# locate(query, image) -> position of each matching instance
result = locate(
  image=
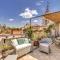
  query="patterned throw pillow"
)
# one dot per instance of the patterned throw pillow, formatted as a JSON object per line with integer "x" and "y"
{"x": 23, "y": 41}
{"x": 20, "y": 41}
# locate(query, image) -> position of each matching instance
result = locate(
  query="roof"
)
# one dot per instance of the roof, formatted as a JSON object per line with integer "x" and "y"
{"x": 55, "y": 16}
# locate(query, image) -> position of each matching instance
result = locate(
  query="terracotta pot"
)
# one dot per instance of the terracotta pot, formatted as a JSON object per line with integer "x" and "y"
{"x": 36, "y": 43}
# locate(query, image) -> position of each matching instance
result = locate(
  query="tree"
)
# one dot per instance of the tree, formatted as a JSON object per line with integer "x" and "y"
{"x": 29, "y": 32}
{"x": 48, "y": 30}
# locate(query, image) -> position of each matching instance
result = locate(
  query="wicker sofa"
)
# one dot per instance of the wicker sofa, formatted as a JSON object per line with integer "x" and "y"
{"x": 23, "y": 48}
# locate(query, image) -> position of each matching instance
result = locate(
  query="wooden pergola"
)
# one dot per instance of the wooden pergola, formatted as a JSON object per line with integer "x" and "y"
{"x": 55, "y": 16}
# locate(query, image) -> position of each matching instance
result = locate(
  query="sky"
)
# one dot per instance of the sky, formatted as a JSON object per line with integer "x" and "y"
{"x": 16, "y": 13}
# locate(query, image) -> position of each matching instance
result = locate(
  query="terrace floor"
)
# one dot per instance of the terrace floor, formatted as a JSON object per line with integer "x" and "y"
{"x": 37, "y": 55}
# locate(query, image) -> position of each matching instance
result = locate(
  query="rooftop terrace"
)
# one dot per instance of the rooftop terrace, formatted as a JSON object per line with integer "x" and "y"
{"x": 37, "y": 55}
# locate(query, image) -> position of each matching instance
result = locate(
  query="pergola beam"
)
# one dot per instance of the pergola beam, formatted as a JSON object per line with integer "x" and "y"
{"x": 55, "y": 16}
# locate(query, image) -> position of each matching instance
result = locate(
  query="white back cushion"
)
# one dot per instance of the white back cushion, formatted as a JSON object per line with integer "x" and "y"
{"x": 49, "y": 40}
{"x": 14, "y": 42}
{"x": 26, "y": 40}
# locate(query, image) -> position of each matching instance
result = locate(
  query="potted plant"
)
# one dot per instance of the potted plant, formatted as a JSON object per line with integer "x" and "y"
{"x": 35, "y": 40}
{"x": 32, "y": 36}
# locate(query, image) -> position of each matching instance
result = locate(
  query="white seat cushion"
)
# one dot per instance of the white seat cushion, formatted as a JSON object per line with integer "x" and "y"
{"x": 22, "y": 46}
{"x": 44, "y": 44}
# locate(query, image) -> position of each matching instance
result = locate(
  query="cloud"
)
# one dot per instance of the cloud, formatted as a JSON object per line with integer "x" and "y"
{"x": 28, "y": 13}
{"x": 11, "y": 19}
{"x": 35, "y": 21}
{"x": 39, "y": 3}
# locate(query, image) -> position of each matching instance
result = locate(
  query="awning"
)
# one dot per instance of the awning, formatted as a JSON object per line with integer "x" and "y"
{"x": 55, "y": 16}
